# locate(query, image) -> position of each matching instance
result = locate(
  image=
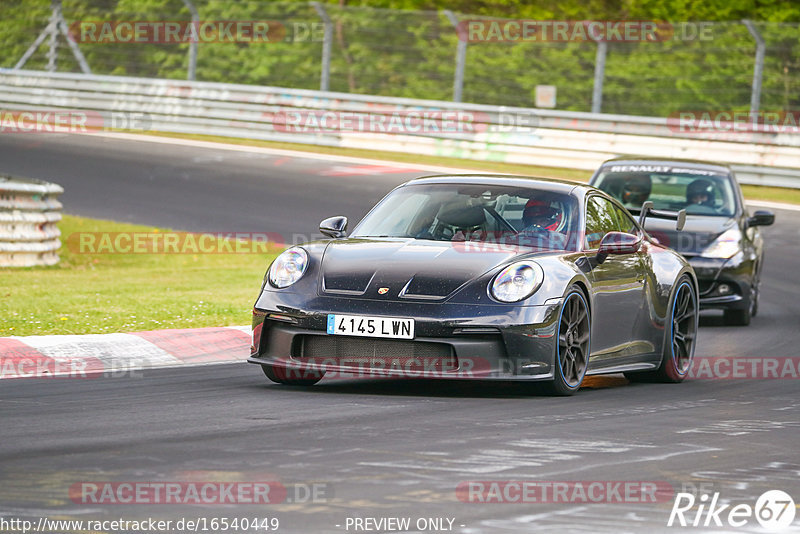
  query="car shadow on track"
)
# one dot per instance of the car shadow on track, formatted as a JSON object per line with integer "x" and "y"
{"x": 445, "y": 388}
{"x": 711, "y": 319}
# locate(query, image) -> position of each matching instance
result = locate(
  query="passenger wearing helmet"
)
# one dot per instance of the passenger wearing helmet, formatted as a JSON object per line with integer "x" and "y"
{"x": 636, "y": 191}
{"x": 700, "y": 192}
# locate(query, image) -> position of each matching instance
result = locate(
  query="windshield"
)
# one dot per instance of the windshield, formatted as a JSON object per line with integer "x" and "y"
{"x": 458, "y": 212}
{"x": 673, "y": 188}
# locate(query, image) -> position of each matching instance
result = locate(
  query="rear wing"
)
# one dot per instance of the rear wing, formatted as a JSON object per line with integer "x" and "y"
{"x": 647, "y": 210}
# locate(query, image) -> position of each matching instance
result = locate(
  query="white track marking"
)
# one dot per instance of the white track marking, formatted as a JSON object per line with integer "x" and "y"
{"x": 282, "y": 152}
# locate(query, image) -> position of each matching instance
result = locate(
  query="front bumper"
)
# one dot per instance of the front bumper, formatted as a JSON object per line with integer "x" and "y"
{"x": 724, "y": 283}
{"x": 456, "y": 341}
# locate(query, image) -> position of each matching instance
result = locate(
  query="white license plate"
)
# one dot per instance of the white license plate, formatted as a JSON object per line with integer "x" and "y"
{"x": 359, "y": 325}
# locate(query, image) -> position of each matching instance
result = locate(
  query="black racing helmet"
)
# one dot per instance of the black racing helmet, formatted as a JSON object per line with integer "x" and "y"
{"x": 699, "y": 188}
{"x": 636, "y": 189}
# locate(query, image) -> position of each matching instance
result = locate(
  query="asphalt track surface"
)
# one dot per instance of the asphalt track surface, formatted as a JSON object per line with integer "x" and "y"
{"x": 380, "y": 448}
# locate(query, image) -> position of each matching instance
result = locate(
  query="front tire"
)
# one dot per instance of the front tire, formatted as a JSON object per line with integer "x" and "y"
{"x": 742, "y": 317}
{"x": 573, "y": 344}
{"x": 280, "y": 375}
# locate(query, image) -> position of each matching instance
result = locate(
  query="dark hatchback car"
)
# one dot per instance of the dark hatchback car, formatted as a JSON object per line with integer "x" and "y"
{"x": 721, "y": 238}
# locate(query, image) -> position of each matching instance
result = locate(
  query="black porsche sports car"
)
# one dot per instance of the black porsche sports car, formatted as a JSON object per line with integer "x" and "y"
{"x": 721, "y": 239}
{"x": 486, "y": 277}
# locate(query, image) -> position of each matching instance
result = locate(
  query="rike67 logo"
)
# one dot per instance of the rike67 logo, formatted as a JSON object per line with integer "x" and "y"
{"x": 774, "y": 510}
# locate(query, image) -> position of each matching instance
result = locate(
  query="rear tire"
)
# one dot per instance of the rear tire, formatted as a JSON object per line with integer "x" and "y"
{"x": 679, "y": 337}
{"x": 683, "y": 318}
{"x": 573, "y": 344}
{"x": 281, "y": 375}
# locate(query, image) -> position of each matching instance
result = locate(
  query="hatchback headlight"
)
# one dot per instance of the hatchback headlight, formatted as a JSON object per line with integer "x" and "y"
{"x": 725, "y": 246}
{"x": 288, "y": 268}
{"x": 518, "y": 281}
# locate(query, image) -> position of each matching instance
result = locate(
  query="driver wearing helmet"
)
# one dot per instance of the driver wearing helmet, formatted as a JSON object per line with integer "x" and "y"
{"x": 541, "y": 222}
{"x": 636, "y": 190}
{"x": 700, "y": 192}
{"x": 539, "y": 214}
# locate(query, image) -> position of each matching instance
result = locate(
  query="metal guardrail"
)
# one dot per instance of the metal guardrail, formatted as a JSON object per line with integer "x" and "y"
{"x": 29, "y": 215}
{"x": 574, "y": 140}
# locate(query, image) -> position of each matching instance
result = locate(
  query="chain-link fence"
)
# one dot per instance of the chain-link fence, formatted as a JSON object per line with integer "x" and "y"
{"x": 421, "y": 54}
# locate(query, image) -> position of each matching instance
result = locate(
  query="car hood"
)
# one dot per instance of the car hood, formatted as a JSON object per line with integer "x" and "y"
{"x": 407, "y": 268}
{"x": 698, "y": 233}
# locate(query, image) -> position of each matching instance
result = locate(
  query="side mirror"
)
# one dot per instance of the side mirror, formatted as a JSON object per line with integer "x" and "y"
{"x": 334, "y": 227}
{"x": 761, "y": 218}
{"x": 618, "y": 243}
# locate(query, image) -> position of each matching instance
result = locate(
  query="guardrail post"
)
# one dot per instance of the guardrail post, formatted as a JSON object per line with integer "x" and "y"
{"x": 193, "y": 44}
{"x": 599, "y": 75}
{"x": 327, "y": 43}
{"x": 758, "y": 70}
{"x": 461, "y": 57}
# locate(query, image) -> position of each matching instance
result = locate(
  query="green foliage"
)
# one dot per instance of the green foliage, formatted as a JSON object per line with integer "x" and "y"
{"x": 407, "y": 48}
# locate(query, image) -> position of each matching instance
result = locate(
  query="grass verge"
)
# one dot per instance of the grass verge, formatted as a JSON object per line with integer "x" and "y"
{"x": 754, "y": 192}
{"x": 102, "y": 293}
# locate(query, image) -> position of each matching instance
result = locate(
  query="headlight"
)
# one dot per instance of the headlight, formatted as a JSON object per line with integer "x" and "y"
{"x": 724, "y": 246}
{"x": 517, "y": 281}
{"x": 288, "y": 267}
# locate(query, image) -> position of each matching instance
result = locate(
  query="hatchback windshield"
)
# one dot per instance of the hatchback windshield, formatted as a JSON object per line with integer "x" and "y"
{"x": 459, "y": 212}
{"x": 700, "y": 192}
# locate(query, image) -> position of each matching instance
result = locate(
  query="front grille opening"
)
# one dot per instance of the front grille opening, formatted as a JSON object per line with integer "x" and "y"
{"x": 376, "y": 353}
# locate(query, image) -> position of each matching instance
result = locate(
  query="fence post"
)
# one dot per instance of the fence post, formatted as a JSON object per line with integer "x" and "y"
{"x": 55, "y": 24}
{"x": 35, "y": 46}
{"x": 76, "y": 52}
{"x": 599, "y": 74}
{"x": 193, "y": 44}
{"x": 758, "y": 70}
{"x": 52, "y": 52}
{"x": 327, "y": 43}
{"x": 461, "y": 57}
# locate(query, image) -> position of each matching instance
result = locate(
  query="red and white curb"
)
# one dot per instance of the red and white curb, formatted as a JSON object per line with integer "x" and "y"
{"x": 89, "y": 355}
